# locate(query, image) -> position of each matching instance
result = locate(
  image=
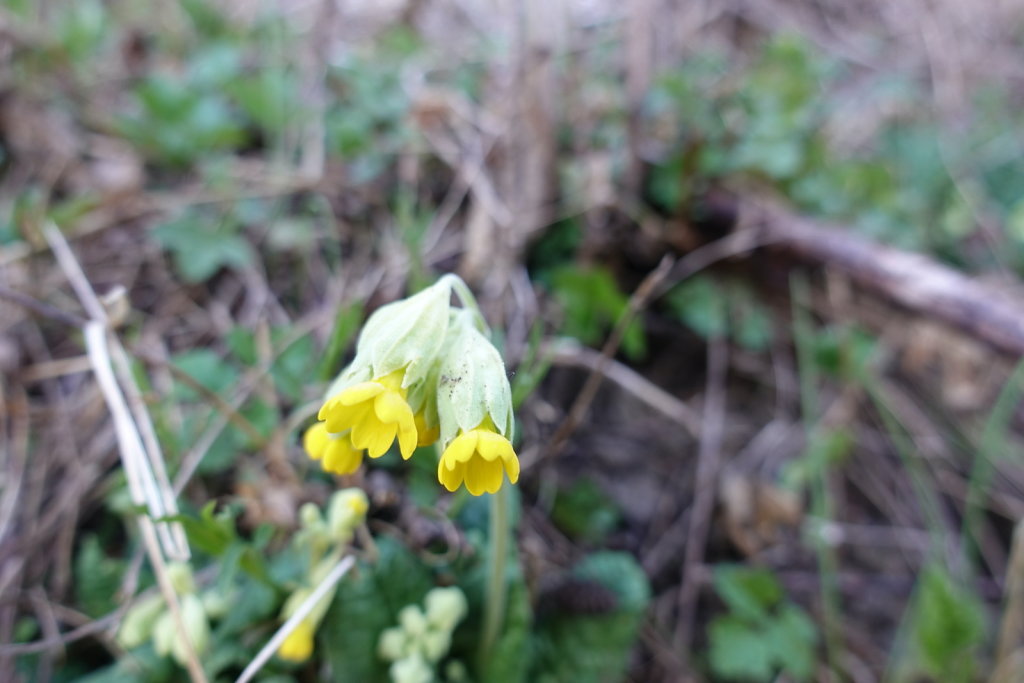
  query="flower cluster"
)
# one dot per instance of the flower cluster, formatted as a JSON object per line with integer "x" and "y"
{"x": 423, "y": 637}
{"x": 424, "y": 372}
{"x": 325, "y": 539}
{"x": 151, "y": 618}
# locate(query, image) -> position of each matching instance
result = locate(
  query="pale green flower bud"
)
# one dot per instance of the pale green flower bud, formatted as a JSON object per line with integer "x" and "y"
{"x": 168, "y": 641}
{"x": 394, "y": 644}
{"x": 472, "y": 387}
{"x": 139, "y": 621}
{"x": 346, "y": 511}
{"x": 197, "y": 626}
{"x": 412, "y": 669}
{"x": 163, "y": 634}
{"x": 180, "y": 576}
{"x": 403, "y": 334}
{"x": 309, "y": 516}
{"x": 455, "y": 672}
{"x": 216, "y": 602}
{"x": 446, "y": 607}
{"x": 412, "y": 620}
{"x": 434, "y": 644}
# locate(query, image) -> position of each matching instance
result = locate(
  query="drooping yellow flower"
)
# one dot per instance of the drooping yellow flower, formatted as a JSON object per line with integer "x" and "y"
{"x": 335, "y": 452}
{"x": 298, "y": 646}
{"x": 374, "y": 414}
{"x": 479, "y": 458}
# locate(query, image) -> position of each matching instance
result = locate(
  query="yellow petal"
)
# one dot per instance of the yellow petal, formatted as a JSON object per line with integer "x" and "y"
{"x": 375, "y": 437}
{"x": 461, "y": 449}
{"x": 451, "y": 475}
{"x": 425, "y": 435}
{"x": 341, "y": 457}
{"x": 298, "y": 646}
{"x": 492, "y": 446}
{"x": 407, "y": 438}
{"x": 358, "y": 393}
{"x": 315, "y": 440}
{"x": 476, "y": 476}
{"x": 329, "y": 406}
{"x": 512, "y": 467}
{"x": 391, "y": 407}
{"x": 343, "y": 418}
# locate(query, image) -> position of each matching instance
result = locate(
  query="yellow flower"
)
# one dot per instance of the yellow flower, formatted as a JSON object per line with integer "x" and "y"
{"x": 335, "y": 453}
{"x": 376, "y": 412}
{"x": 479, "y": 458}
{"x": 426, "y": 435}
{"x": 298, "y": 646}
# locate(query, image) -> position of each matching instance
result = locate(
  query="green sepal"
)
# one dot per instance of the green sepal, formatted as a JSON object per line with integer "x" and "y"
{"x": 472, "y": 385}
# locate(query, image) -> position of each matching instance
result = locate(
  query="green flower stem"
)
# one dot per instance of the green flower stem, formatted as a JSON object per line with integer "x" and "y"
{"x": 468, "y": 301}
{"x": 497, "y": 587}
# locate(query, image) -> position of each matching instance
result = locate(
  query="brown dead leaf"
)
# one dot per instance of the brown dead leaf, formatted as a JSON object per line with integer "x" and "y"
{"x": 756, "y": 512}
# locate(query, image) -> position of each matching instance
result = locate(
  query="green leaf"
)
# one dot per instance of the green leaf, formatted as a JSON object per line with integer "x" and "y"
{"x": 594, "y": 648}
{"x": 366, "y": 604}
{"x": 592, "y": 303}
{"x": 948, "y": 626}
{"x": 207, "y": 368}
{"x": 209, "y": 532}
{"x": 739, "y": 651}
{"x": 199, "y": 252}
{"x": 206, "y": 17}
{"x": 749, "y": 593}
{"x": 294, "y": 366}
{"x": 268, "y": 98}
{"x": 97, "y": 578}
{"x": 793, "y": 639}
{"x": 585, "y": 512}
{"x": 701, "y": 305}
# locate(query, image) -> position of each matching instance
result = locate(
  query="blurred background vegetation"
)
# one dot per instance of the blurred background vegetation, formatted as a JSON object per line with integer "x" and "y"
{"x": 788, "y": 236}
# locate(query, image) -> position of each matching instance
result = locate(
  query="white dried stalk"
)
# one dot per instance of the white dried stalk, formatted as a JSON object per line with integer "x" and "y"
{"x": 140, "y": 449}
{"x": 268, "y": 650}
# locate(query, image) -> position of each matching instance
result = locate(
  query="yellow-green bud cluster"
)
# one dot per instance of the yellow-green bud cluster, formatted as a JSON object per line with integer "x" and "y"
{"x": 152, "y": 619}
{"x": 423, "y": 636}
{"x": 424, "y": 369}
{"x": 325, "y": 538}
{"x": 345, "y": 512}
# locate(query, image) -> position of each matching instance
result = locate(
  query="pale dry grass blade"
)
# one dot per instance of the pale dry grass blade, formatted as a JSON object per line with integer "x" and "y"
{"x": 268, "y": 650}
{"x": 135, "y": 428}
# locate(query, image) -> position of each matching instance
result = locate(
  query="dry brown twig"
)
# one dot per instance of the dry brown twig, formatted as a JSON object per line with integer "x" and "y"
{"x": 704, "y": 493}
{"x": 667, "y": 275}
{"x": 574, "y": 355}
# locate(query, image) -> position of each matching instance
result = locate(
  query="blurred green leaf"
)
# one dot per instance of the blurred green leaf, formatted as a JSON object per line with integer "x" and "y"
{"x": 97, "y": 577}
{"x": 269, "y": 98}
{"x": 592, "y": 303}
{"x": 948, "y": 626}
{"x": 749, "y": 593}
{"x": 762, "y": 634}
{"x": 700, "y": 305}
{"x": 594, "y": 648}
{"x": 739, "y": 651}
{"x": 207, "y": 368}
{"x": 585, "y": 512}
{"x": 210, "y": 532}
{"x": 82, "y": 27}
{"x": 199, "y": 251}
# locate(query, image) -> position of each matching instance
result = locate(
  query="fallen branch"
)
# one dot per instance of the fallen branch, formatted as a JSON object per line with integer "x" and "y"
{"x": 911, "y": 281}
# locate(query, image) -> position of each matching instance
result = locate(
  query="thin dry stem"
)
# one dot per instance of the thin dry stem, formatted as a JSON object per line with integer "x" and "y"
{"x": 268, "y": 650}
